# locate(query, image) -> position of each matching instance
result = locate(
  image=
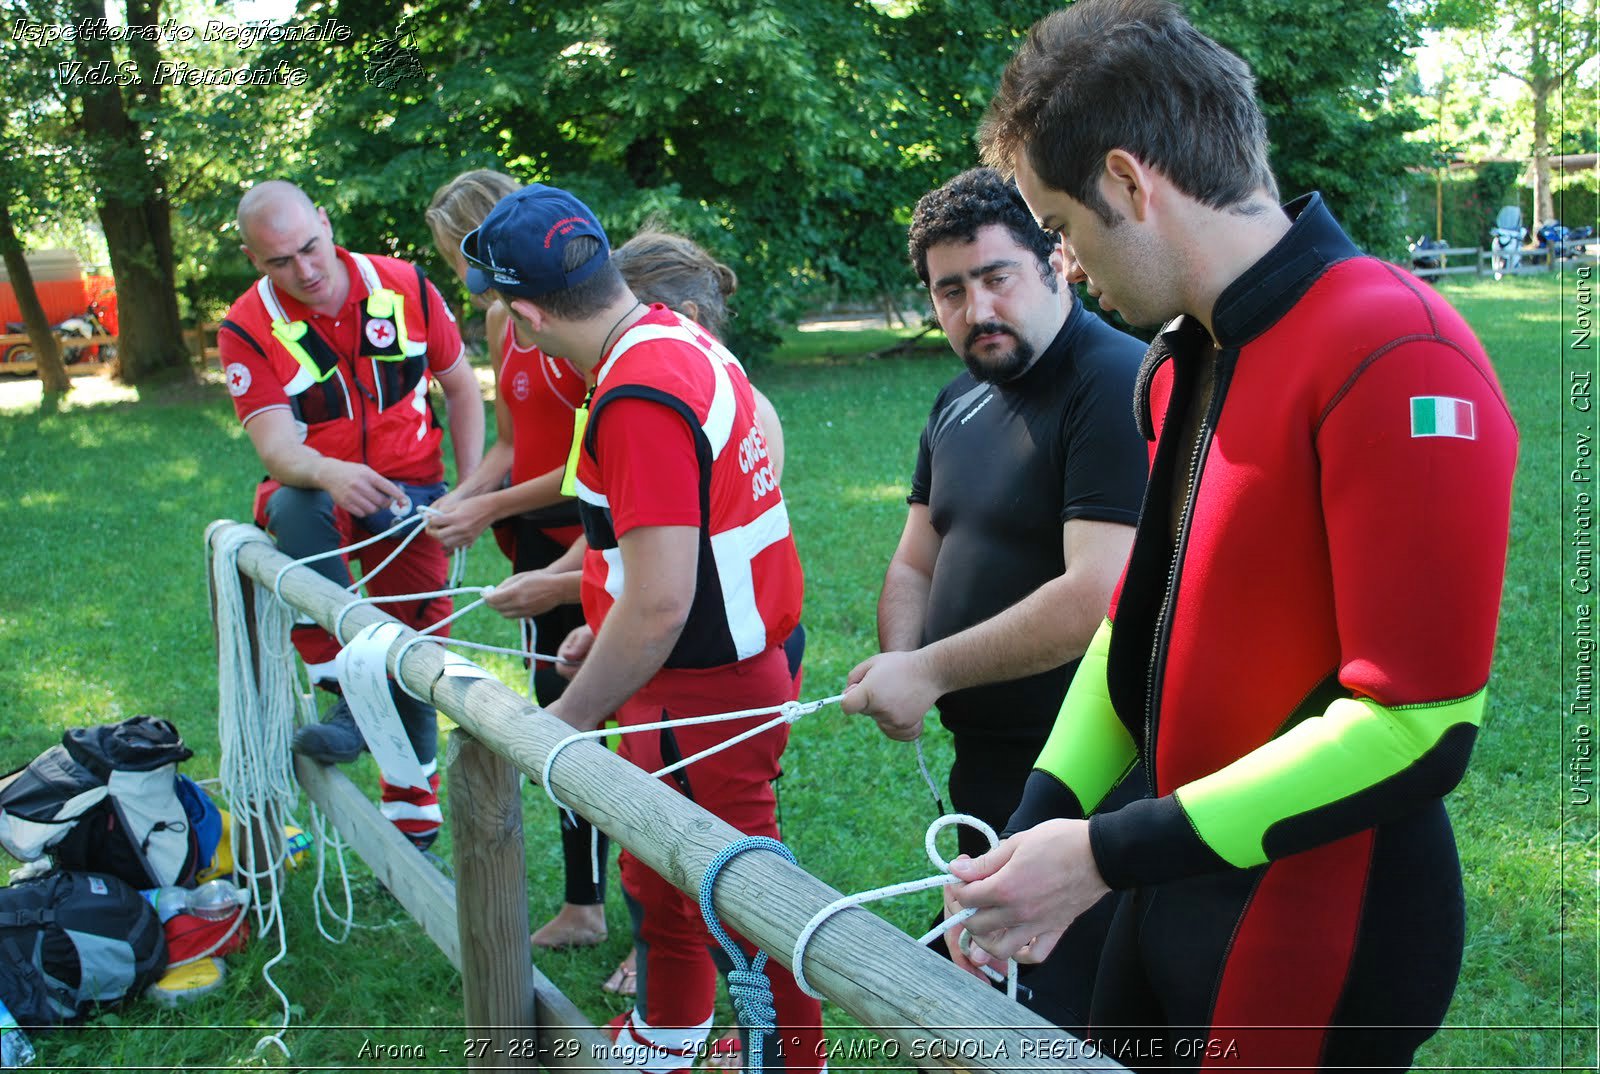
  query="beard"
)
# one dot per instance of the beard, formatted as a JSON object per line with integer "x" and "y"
{"x": 1000, "y": 368}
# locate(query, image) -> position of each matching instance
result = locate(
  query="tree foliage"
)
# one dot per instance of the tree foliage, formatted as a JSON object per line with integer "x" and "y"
{"x": 1549, "y": 46}
{"x": 1333, "y": 117}
{"x": 38, "y": 183}
{"x": 791, "y": 137}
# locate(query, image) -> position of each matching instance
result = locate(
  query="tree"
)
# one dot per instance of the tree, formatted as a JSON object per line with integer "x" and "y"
{"x": 131, "y": 192}
{"x": 26, "y": 113}
{"x": 791, "y": 138}
{"x": 1333, "y": 116}
{"x": 101, "y": 108}
{"x": 1544, "y": 44}
{"x": 47, "y": 356}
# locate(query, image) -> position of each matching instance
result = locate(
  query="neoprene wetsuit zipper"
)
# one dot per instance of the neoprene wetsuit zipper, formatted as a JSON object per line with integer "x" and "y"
{"x": 1222, "y": 375}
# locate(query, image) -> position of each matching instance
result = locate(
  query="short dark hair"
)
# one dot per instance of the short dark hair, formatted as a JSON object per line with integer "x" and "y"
{"x": 592, "y": 295}
{"x": 974, "y": 199}
{"x": 1131, "y": 75}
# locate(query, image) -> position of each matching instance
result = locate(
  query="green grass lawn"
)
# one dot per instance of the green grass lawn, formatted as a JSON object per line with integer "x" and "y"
{"x": 104, "y": 615}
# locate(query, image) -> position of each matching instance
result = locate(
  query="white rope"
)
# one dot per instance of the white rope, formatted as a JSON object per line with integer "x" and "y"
{"x": 927, "y": 777}
{"x": 397, "y": 598}
{"x": 789, "y": 712}
{"x": 528, "y": 631}
{"x": 943, "y": 879}
{"x": 483, "y": 647}
{"x": 255, "y": 717}
{"x": 367, "y": 576}
{"x": 277, "y": 581}
{"x": 423, "y": 636}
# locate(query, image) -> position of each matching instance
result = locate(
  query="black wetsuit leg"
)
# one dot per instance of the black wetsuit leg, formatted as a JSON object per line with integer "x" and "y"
{"x": 579, "y": 852}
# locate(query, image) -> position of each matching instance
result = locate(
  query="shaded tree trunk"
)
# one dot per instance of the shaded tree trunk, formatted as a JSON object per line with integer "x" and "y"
{"x": 47, "y": 355}
{"x": 133, "y": 202}
{"x": 1541, "y": 84}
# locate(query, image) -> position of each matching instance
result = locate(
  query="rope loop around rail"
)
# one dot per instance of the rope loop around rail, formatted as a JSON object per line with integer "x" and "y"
{"x": 943, "y": 879}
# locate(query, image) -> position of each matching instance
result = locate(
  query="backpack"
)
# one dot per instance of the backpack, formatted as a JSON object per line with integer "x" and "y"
{"x": 105, "y": 801}
{"x": 70, "y": 941}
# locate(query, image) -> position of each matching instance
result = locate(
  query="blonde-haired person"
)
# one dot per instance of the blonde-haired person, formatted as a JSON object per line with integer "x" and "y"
{"x": 517, "y": 490}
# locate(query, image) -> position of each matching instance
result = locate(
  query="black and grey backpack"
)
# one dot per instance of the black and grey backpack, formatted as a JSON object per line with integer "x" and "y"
{"x": 105, "y": 801}
{"x": 72, "y": 941}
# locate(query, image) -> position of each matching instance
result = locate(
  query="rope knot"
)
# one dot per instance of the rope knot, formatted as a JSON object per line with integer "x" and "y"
{"x": 748, "y": 986}
{"x": 751, "y": 993}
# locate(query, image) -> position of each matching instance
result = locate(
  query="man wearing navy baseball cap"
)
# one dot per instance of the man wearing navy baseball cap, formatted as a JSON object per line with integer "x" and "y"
{"x": 500, "y": 256}
{"x": 690, "y": 585}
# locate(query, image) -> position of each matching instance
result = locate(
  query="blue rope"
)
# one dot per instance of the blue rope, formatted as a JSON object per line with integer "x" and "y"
{"x": 747, "y": 982}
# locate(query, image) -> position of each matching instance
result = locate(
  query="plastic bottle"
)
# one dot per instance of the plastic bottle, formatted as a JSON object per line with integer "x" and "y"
{"x": 214, "y": 900}
{"x": 168, "y": 901}
{"x": 16, "y": 1050}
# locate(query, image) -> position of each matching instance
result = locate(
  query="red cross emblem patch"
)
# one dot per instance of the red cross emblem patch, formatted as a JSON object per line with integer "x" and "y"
{"x": 238, "y": 379}
{"x": 380, "y": 332}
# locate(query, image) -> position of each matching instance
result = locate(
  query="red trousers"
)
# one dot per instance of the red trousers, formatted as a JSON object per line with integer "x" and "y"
{"x": 677, "y": 985}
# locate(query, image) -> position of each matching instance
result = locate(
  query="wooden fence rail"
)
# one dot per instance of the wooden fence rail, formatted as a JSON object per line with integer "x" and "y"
{"x": 906, "y": 993}
{"x": 1442, "y": 255}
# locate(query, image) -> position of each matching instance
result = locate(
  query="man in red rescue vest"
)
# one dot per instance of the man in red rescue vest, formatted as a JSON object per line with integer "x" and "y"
{"x": 328, "y": 358}
{"x": 690, "y": 584}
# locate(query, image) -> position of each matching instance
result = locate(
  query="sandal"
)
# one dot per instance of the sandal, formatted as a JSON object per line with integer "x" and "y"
{"x": 624, "y": 980}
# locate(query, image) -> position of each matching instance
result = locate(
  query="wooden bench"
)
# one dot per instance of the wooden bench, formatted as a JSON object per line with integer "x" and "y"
{"x": 10, "y": 339}
{"x": 200, "y": 340}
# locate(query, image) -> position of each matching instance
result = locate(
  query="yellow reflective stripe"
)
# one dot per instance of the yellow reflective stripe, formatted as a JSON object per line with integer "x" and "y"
{"x": 1354, "y": 745}
{"x": 1089, "y": 748}
{"x": 289, "y": 333}
{"x": 580, "y": 422}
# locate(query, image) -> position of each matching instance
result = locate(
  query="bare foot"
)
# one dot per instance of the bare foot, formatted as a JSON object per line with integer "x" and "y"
{"x": 573, "y": 926}
{"x": 624, "y": 980}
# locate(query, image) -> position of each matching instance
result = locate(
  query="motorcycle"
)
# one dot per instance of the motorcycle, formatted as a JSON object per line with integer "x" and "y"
{"x": 1563, "y": 241}
{"x": 1505, "y": 241}
{"x": 1420, "y": 256}
{"x": 71, "y": 336}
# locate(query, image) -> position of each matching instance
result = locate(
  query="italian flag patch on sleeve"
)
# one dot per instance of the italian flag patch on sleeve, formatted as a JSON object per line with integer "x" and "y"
{"x": 1440, "y": 415}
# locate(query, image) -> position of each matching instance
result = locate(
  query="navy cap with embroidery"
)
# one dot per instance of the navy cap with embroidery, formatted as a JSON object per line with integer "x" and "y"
{"x": 519, "y": 247}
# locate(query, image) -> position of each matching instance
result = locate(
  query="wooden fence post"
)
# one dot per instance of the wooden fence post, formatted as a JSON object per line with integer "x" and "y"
{"x": 939, "y": 1015}
{"x": 491, "y": 904}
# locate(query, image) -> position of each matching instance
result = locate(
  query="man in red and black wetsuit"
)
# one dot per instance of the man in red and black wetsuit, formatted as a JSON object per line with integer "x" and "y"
{"x": 1299, "y": 648}
{"x": 690, "y": 582}
{"x": 329, "y": 358}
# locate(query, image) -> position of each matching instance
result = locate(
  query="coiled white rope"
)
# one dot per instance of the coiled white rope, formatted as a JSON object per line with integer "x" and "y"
{"x": 255, "y": 719}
